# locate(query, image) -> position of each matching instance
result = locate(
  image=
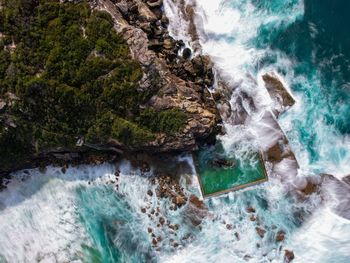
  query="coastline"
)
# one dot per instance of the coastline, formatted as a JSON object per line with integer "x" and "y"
{"x": 182, "y": 83}
{"x": 110, "y": 201}
{"x": 185, "y": 81}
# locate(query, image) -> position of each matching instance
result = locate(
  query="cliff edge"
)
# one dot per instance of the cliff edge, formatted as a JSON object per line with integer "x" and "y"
{"x": 97, "y": 76}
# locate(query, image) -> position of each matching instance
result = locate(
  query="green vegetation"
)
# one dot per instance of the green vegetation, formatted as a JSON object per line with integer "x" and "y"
{"x": 120, "y": 129}
{"x": 169, "y": 121}
{"x": 74, "y": 77}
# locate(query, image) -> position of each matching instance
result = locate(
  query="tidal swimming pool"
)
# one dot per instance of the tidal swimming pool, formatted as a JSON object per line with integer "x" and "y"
{"x": 218, "y": 173}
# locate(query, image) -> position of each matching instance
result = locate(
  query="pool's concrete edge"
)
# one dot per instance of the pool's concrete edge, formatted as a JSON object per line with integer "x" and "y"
{"x": 236, "y": 188}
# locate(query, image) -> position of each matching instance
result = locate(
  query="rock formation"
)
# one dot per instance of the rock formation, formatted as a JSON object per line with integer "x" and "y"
{"x": 182, "y": 83}
{"x": 278, "y": 92}
{"x": 176, "y": 80}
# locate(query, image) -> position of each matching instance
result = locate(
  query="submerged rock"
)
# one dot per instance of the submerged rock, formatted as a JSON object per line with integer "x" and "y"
{"x": 252, "y": 218}
{"x": 237, "y": 236}
{"x": 288, "y": 256}
{"x": 223, "y": 163}
{"x": 161, "y": 220}
{"x": 154, "y": 242}
{"x": 250, "y": 209}
{"x": 195, "y": 210}
{"x": 260, "y": 231}
{"x": 280, "y": 236}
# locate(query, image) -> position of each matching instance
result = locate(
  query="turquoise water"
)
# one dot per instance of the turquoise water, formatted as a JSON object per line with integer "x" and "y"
{"x": 114, "y": 240}
{"x": 216, "y": 179}
{"x": 81, "y": 216}
{"x": 318, "y": 43}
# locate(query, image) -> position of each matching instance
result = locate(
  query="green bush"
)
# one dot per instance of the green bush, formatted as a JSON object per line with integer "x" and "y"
{"x": 109, "y": 126}
{"x": 168, "y": 121}
{"x": 130, "y": 133}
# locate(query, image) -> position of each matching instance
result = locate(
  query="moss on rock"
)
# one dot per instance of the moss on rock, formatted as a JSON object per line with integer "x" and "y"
{"x": 168, "y": 121}
{"x": 73, "y": 76}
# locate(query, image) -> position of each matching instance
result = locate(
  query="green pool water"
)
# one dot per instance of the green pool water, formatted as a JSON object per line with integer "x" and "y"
{"x": 238, "y": 173}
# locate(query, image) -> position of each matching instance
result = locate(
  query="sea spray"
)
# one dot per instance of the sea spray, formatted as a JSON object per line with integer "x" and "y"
{"x": 244, "y": 39}
{"x": 105, "y": 213}
{"x": 88, "y": 215}
{"x": 38, "y": 218}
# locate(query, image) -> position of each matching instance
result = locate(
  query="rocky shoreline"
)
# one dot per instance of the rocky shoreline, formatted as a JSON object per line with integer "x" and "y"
{"x": 180, "y": 80}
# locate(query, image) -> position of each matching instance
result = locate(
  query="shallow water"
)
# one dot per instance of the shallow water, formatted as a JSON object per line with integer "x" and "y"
{"x": 81, "y": 216}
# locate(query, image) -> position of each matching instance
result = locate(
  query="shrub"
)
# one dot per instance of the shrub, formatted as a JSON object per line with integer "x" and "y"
{"x": 72, "y": 73}
{"x": 110, "y": 126}
{"x": 168, "y": 121}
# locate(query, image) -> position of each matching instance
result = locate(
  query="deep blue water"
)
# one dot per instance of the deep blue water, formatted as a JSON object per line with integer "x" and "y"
{"x": 318, "y": 46}
{"x": 321, "y": 41}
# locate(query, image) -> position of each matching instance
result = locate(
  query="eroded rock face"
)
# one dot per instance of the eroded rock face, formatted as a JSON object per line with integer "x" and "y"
{"x": 181, "y": 82}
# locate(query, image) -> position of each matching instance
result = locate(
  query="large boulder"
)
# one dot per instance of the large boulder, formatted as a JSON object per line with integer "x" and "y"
{"x": 278, "y": 92}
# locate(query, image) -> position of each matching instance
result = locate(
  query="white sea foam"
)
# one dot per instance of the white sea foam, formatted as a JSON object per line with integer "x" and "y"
{"x": 229, "y": 30}
{"x": 331, "y": 147}
{"x": 178, "y": 26}
{"x": 324, "y": 238}
{"x": 38, "y": 219}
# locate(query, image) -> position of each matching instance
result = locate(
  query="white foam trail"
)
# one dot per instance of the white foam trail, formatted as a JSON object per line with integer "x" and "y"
{"x": 40, "y": 216}
{"x": 38, "y": 220}
{"x": 178, "y": 26}
{"x": 324, "y": 238}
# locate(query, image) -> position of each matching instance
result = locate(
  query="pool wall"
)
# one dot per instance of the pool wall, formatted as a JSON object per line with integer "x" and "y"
{"x": 236, "y": 188}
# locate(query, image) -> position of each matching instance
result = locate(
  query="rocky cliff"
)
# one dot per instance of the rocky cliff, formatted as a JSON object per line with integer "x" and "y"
{"x": 182, "y": 80}
{"x": 62, "y": 102}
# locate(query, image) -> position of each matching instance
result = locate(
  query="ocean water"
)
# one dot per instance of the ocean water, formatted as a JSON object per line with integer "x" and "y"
{"x": 85, "y": 215}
